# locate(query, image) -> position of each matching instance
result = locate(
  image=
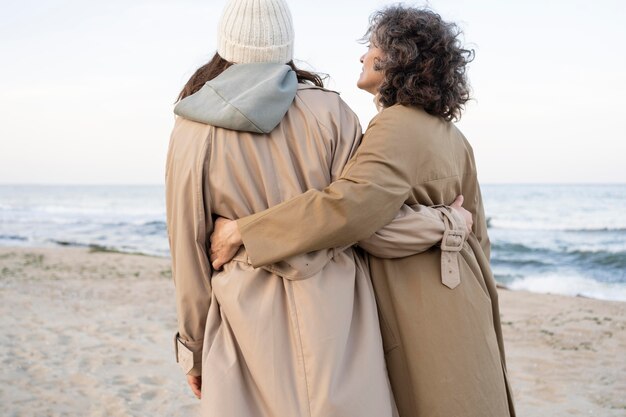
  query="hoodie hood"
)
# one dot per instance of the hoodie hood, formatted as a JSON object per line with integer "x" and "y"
{"x": 245, "y": 97}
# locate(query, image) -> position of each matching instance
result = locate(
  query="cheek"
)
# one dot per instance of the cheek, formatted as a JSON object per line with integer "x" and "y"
{"x": 379, "y": 76}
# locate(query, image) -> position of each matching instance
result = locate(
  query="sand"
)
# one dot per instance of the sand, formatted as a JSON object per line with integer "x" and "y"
{"x": 566, "y": 355}
{"x": 90, "y": 334}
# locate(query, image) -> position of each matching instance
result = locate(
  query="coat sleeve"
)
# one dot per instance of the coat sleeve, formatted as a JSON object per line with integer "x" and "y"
{"x": 368, "y": 195}
{"x": 480, "y": 224}
{"x": 188, "y": 225}
{"x": 415, "y": 229}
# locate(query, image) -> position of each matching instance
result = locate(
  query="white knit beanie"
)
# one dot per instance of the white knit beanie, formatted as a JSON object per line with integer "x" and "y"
{"x": 256, "y": 31}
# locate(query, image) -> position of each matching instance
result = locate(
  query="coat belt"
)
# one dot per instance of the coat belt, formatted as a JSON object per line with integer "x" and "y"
{"x": 453, "y": 240}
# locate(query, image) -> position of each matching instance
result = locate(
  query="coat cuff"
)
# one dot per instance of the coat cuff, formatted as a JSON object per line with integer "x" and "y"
{"x": 188, "y": 355}
{"x": 452, "y": 243}
{"x": 455, "y": 234}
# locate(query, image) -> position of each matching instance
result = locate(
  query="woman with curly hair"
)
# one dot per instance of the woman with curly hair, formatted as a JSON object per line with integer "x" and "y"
{"x": 438, "y": 309}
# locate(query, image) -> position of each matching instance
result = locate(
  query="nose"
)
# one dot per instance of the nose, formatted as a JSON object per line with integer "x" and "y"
{"x": 362, "y": 58}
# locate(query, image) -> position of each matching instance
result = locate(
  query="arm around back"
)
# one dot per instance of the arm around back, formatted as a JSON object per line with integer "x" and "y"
{"x": 415, "y": 229}
{"x": 374, "y": 185}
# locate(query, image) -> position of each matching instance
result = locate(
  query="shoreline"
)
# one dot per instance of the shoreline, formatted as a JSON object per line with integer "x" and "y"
{"x": 97, "y": 248}
{"x": 90, "y": 333}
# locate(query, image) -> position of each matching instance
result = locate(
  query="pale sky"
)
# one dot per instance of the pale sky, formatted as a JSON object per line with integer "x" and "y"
{"x": 87, "y": 87}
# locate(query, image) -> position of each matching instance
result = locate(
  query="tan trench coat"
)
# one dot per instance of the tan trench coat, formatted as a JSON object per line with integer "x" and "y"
{"x": 300, "y": 336}
{"x": 443, "y": 345}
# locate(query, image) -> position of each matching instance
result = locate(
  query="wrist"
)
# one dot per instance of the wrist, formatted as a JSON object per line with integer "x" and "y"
{"x": 236, "y": 236}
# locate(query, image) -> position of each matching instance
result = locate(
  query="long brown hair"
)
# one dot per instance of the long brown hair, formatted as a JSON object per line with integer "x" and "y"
{"x": 217, "y": 65}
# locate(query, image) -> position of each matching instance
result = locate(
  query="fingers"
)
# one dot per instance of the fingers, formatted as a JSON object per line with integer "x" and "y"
{"x": 458, "y": 201}
{"x": 219, "y": 256}
{"x": 457, "y": 206}
{"x": 195, "y": 383}
{"x": 469, "y": 220}
{"x": 225, "y": 242}
{"x": 217, "y": 264}
{"x": 196, "y": 391}
{"x": 217, "y": 228}
{"x": 216, "y": 261}
{"x": 214, "y": 252}
{"x": 222, "y": 256}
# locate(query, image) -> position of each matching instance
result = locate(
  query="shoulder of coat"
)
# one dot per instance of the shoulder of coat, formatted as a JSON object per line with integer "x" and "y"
{"x": 401, "y": 115}
{"x": 310, "y": 87}
{"x": 400, "y": 110}
{"x": 314, "y": 97}
{"x": 322, "y": 103}
{"x": 192, "y": 130}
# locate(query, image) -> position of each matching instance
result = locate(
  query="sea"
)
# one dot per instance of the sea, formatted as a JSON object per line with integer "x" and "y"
{"x": 561, "y": 239}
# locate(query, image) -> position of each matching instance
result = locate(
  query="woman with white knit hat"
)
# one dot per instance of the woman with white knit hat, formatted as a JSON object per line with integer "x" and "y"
{"x": 299, "y": 337}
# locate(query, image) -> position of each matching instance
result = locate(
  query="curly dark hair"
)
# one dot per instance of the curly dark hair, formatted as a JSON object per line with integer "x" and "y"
{"x": 424, "y": 62}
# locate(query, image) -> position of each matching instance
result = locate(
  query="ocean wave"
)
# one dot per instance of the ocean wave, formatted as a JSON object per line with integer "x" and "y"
{"x": 107, "y": 224}
{"x": 13, "y": 237}
{"x": 101, "y": 247}
{"x": 572, "y": 285}
{"x": 515, "y": 248}
{"x": 70, "y": 243}
{"x": 70, "y": 213}
{"x": 552, "y": 227}
{"x": 598, "y": 229}
{"x": 155, "y": 223}
{"x": 505, "y": 278}
{"x": 153, "y": 228}
{"x": 518, "y": 254}
{"x": 532, "y": 263}
{"x": 601, "y": 258}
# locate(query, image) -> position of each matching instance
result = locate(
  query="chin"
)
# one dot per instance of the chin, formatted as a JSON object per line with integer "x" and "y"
{"x": 361, "y": 87}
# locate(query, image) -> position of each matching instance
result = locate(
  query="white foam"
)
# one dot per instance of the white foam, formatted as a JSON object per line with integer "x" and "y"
{"x": 595, "y": 224}
{"x": 571, "y": 285}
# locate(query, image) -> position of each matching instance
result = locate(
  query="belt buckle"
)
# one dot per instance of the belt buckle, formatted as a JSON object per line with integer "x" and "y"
{"x": 453, "y": 234}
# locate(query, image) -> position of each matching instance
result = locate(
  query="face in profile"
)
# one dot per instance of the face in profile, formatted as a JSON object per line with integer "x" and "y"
{"x": 371, "y": 79}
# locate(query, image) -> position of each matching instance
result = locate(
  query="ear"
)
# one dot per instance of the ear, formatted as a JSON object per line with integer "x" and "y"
{"x": 377, "y": 66}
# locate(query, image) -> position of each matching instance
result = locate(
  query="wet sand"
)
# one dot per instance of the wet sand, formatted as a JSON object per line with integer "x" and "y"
{"x": 90, "y": 334}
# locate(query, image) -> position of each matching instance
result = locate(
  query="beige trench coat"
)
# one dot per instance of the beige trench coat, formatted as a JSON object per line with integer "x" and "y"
{"x": 443, "y": 345}
{"x": 299, "y": 337}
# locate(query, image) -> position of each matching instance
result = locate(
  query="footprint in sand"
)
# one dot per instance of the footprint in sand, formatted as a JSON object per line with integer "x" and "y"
{"x": 150, "y": 395}
{"x": 153, "y": 380}
{"x": 121, "y": 380}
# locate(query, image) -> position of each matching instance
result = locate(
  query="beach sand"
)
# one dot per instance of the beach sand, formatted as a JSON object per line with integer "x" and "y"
{"x": 90, "y": 334}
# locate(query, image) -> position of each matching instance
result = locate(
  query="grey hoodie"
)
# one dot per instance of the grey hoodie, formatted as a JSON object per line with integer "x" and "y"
{"x": 245, "y": 97}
